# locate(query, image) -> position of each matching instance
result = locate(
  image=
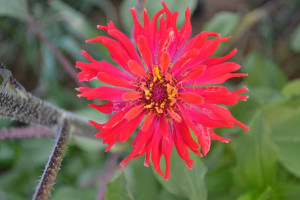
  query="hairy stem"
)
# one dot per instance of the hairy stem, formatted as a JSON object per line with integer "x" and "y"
{"x": 53, "y": 166}
{"x": 25, "y": 133}
{"x": 27, "y": 108}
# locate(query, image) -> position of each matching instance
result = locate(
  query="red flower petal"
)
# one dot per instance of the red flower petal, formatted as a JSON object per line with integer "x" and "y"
{"x": 192, "y": 74}
{"x": 137, "y": 69}
{"x": 134, "y": 112}
{"x": 167, "y": 146}
{"x": 182, "y": 149}
{"x": 130, "y": 96}
{"x": 117, "y": 52}
{"x": 156, "y": 152}
{"x": 186, "y": 58}
{"x": 198, "y": 41}
{"x": 164, "y": 62}
{"x": 148, "y": 121}
{"x": 216, "y": 95}
{"x": 184, "y": 131}
{"x": 114, "y": 80}
{"x": 214, "y": 136}
{"x": 145, "y": 52}
{"x": 115, "y": 119}
{"x": 109, "y": 107}
{"x": 102, "y": 92}
{"x": 191, "y": 98}
{"x": 101, "y": 66}
{"x": 219, "y": 60}
{"x": 174, "y": 115}
{"x": 164, "y": 126}
{"x": 124, "y": 41}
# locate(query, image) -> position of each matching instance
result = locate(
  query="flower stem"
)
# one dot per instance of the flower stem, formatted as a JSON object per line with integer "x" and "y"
{"x": 53, "y": 166}
{"x": 25, "y": 133}
{"x": 20, "y": 105}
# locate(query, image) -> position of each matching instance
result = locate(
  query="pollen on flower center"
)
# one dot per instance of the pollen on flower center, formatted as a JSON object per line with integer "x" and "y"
{"x": 159, "y": 91}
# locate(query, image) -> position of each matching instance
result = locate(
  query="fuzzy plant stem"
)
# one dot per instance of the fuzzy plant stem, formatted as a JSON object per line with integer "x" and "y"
{"x": 25, "y": 133}
{"x": 24, "y": 107}
{"x": 53, "y": 166}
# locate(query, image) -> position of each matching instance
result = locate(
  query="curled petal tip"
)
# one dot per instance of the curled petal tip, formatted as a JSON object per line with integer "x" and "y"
{"x": 146, "y": 164}
{"x": 102, "y": 27}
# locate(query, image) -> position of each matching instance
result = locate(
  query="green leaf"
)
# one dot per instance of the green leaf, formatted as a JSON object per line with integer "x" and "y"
{"x": 223, "y": 22}
{"x": 34, "y": 153}
{"x": 184, "y": 182}
{"x": 295, "y": 40}
{"x": 118, "y": 189}
{"x": 13, "y": 8}
{"x": 67, "y": 192}
{"x": 165, "y": 195}
{"x": 263, "y": 72}
{"x": 256, "y": 156}
{"x": 141, "y": 180}
{"x": 289, "y": 191}
{"x": 152, "y": 7}
{"x": 87, "y": 145}
{"x": 268, "y": 194}
{"x": 292, "y": 88}
{"x": 264, "y": 95}
{"x": 284, "y": 122}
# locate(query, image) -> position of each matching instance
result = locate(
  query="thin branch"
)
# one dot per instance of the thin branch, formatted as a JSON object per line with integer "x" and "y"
{"x": 25, "y": 133}
{"x": 24, "y": 107}
{"x": 110, "y": 166}
{"x": 60, "y": 57}
{"x": 53, "y": 166}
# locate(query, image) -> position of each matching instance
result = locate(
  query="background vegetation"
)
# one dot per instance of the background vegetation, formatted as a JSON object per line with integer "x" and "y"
{"x": 40, "y": 40}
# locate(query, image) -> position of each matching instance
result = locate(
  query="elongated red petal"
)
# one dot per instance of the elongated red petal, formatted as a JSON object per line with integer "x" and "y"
{"x": 186, "y": 58}
{"x": 156, "y": 152}
{"x": 148, "y": 121}
{"x": 134, "y": 112}
{"x": 164, "y": 126}
{"x": 115, "y": 119}
{"x": 109, "y": 107}
{"x": 145, "y": 51}
{"x": 130, "y": 96}
{"x": 167, "y": 146}
{"x": 182, "y": 149}
{"x": 102, "y": 92}
{"x": 191, "y": 98}
{"x": 164, "y": 62}
{"x": 193, "y": 74}
{"x": 114, "y": 80}
{"x": 219, "y": 60}
{"x": 214, "y": 136}
{"x": 183, "y": 130}
{"x": 117, "y": 52}
{"x": 137, "y": 69}
{"x": 174, "y": 115}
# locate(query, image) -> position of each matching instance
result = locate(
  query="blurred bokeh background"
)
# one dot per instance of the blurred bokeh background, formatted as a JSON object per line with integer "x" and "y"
{"x": 40, "y": 41}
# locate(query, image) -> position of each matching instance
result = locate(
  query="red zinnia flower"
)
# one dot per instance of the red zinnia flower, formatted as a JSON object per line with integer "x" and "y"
{"x": 163, "y": 88}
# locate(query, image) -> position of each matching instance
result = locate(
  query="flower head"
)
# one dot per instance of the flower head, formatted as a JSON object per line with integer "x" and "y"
{"x": 163, "y": 85}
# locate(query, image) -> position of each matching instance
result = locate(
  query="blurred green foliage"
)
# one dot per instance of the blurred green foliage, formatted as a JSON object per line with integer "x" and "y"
{"x": 260, "y": 164}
